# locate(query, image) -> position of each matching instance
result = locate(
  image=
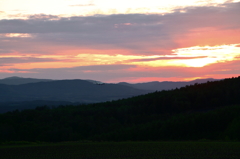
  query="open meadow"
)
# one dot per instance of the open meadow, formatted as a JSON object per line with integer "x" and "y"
{"x": 123, "y": 150}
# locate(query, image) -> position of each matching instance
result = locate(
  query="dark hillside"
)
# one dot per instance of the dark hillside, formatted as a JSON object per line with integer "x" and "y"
{"x": 190, "y": 98}
{"x": 11, "y": 106}
{"x": 201, "y": 111}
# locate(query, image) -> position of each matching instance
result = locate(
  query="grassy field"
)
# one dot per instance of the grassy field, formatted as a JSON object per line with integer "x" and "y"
{"x": 123, "y": 150}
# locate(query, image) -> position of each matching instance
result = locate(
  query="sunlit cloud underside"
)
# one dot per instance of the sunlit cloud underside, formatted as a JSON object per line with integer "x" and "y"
{"x": 17, "y": 35}
{"x": 214, "y": 54}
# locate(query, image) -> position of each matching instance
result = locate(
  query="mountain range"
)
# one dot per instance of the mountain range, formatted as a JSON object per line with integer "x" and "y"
{"x": 153, "y": 85}
{"x": 19, "y": 80}
{"x": 17, "y": 92}
{"x": 166, "y": 85}
{"x": 66, "y": 90}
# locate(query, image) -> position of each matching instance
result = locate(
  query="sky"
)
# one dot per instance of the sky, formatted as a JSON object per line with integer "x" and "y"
{"x": 114, "y": 41}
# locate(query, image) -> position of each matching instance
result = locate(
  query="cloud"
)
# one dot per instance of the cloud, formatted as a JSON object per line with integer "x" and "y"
{"x": 16, "y": 60}
{"x": 103, "y": 67}
{"x": 43, "y": 17}
{"x": 100, "y": 72}
{"x": 15, "y": 35}
{"x": 91, "y": 68}
{"x": 109, "y": 73}
{"x": 165, "y": 58}
{"x": 140, "y": 33}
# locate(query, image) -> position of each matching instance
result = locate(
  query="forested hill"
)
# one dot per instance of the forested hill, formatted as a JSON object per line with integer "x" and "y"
{"x": 201, "y": 111}
{"x": 191, "y": 97}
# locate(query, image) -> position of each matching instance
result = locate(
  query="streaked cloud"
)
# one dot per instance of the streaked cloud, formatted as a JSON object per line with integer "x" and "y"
{"x": 17, "y": 60}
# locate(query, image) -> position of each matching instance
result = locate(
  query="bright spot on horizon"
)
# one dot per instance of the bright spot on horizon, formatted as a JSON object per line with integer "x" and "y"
{"x": 214, "y": 54}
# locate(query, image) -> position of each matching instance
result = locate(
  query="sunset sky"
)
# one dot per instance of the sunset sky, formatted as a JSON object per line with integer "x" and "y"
{"x": 115, "y": 41}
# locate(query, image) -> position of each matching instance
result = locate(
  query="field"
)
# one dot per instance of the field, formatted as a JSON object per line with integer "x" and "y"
{"x": 123, "y": 150}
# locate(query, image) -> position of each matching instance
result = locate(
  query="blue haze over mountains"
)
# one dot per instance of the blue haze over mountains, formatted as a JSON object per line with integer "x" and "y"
{"x": 27, "y": 93}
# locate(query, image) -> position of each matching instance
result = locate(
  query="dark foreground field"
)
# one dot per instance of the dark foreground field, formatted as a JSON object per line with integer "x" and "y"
{"x": 123, "y": 150}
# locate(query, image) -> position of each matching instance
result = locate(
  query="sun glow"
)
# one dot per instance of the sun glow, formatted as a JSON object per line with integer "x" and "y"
{"x": 213, "y": 54}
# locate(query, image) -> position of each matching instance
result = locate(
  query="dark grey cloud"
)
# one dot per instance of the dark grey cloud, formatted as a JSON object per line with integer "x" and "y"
{"x": 102, "y": 67}
{"x": 97, "y": 72}
{"x": 43, "y": 17}
{"x": 26, "y": 45}
{"x": 107, "y": 73}
{"x": 94, "y": 68}
{"x": 141, "y": 33}
{"x": 194, "y": 17}
{"x": 10, "y": 60}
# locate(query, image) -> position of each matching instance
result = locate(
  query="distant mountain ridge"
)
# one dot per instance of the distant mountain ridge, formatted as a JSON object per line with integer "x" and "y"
{"x": 18, "y": 92}
{"x": 20, "y": 80}
{"x": 151, "y": 86}
{"x": 66, "y": 90}
{"x": 166, "y": 85}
